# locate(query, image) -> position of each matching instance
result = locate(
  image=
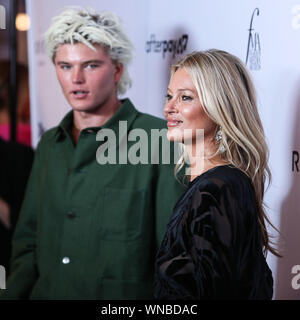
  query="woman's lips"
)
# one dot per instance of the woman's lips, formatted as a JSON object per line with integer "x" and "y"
{"x": 173, "y": 123}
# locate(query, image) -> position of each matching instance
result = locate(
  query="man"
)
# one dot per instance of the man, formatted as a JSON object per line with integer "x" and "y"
{"x": 90, "y": 230}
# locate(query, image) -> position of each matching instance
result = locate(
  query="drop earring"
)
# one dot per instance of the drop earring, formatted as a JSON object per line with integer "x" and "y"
{"x": 219, "y": 136}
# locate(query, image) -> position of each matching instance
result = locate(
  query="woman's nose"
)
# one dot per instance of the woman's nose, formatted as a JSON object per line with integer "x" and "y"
{"x": 170, "y": 107}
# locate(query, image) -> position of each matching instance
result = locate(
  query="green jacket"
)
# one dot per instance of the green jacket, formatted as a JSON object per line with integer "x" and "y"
{"x": 90, "y": 231}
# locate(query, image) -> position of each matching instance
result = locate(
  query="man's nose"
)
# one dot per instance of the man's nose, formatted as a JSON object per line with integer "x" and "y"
{"x": 77, "y": 76}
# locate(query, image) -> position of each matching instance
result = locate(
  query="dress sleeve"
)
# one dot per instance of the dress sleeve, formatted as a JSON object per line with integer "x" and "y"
{"x": 197, "y": 262}
{"x": 211, "y": 250}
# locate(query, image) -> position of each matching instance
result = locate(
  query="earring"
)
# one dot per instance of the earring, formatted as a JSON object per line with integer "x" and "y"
{"x": 219, "y": 138}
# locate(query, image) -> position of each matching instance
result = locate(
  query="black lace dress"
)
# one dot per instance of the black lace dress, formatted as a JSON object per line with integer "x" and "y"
{"x": 212, "y": 246}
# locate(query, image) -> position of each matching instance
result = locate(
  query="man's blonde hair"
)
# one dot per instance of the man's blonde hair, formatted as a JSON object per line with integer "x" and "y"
{"x": 88, "y": 27}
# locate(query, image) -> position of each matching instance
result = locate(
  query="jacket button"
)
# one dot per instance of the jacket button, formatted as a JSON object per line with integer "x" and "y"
{"x": 71, "y": 214}
{"x": 66, "y": 260}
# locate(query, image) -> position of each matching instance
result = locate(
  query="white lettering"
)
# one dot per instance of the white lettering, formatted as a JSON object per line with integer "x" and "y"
{"x": 118, "y": 310}
{"x": 123, "y": 142}
{"x": 160, "y": 147}
{"x": 150, "y": 309}
{"x": 108, "y": 147}
{"x": 2, "y": 278}
{"x": 156, "y": 134}
{"x": 138, "y": 153}
{"x": 170, "y": 309}
{"x": 296, "y": 278}
{"x": 2, "y": 18}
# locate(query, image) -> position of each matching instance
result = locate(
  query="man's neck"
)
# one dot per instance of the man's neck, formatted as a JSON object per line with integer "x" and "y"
{"x": 83, "y": 119}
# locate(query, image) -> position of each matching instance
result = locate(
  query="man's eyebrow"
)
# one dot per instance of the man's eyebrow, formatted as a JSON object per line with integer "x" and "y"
{"x": 62, "y": 62}
{"x": 85, "y": 62}
{"x": 92, "y": 61}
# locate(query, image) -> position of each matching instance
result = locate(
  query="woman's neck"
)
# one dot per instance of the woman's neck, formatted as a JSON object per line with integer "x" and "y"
{"x": 200, "y": 161}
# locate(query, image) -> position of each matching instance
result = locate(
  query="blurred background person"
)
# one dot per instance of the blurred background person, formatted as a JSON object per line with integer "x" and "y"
{"x": 15, "y": 165}
{"x": 16, "y": 155}
{"x": 23, "y": 135}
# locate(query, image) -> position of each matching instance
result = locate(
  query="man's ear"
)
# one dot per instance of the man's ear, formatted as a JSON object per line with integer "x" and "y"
{"x": 118, "y": 72}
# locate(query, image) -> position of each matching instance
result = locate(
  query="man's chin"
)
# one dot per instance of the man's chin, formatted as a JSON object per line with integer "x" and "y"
{"x": 88, "y": 109}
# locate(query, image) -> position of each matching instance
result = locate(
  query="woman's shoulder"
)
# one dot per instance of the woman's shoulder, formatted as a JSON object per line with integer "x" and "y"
{"x": 224, "y": 175}
{"x": 223, "y": 191}
{"x": 223, "y": 181}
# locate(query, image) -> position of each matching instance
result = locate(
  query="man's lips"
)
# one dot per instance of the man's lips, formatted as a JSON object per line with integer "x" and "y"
{"x": 79, "y": 94}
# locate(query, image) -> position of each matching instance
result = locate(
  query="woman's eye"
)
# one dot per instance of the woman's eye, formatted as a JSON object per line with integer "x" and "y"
{"x": 186, "y": 98}
{"x": 168, "y": 97}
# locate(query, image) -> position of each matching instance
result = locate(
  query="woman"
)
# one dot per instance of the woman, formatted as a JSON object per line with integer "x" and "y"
{"x": 216, "y": 240}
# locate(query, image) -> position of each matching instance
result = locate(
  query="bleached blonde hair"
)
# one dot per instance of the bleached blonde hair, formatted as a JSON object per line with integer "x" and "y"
{"x": 227, "y": 94}
{"x": 89, "y": 27}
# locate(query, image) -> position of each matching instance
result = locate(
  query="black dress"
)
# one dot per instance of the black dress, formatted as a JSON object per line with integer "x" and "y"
{"x": 212, "y": 246}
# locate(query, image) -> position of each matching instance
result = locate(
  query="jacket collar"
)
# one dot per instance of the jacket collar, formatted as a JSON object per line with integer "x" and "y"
{"x": 126, "y": 112}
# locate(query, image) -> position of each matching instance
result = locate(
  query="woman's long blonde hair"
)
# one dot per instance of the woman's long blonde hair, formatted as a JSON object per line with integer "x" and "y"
{"x": 228, "y": 96}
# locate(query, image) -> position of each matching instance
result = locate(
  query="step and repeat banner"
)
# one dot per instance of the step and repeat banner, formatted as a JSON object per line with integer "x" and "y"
{"x": 265, "y": 34}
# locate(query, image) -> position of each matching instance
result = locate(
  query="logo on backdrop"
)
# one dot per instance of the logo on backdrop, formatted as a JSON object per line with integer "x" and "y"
{"x": 39, "y": 46}
{"x": 41, "y": 129}
{"x": 173, "y": 46}
{"x": 40, "y": 51}
{"x": 295, "y": 161}
{"x": 2, "y": 18}
{"x": 2, "y": 278}
{"x": 253, "y": 47}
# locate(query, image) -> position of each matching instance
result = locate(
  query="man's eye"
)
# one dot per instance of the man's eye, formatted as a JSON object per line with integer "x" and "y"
{"x": 186, "y": 98}
{"x": 65, "y": 67}
{"x": 92, "y": 66}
